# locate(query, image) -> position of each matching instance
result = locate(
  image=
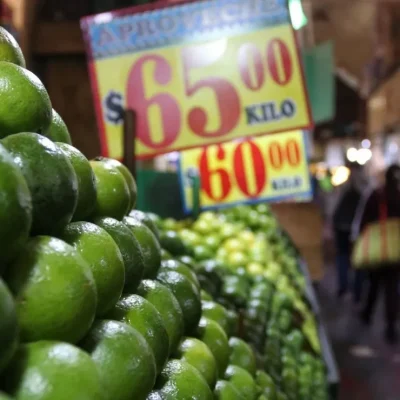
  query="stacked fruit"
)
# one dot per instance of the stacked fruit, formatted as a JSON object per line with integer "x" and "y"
{"x": 92, "y": 307}
{"x": 253, "y": 273}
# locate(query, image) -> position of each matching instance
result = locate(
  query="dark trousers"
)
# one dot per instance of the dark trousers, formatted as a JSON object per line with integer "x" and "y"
{"x": 343, "y": 265}
{"x": 384, "y": 279}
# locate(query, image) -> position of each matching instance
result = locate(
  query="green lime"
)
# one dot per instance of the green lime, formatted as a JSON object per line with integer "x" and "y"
{"x": 197, "y": 354}
{"x": 54, "y": 290}
{"x": 187, "y": 295}
{"x": 123, "y": 358}
{"x": 224, "y": 390}
{"x": 242, "y": 380}
{"x": 9, "y": 49}
{"x": 149, "y": 244}
{"x": 15, "y": 208}
{"x": 174, "y": 265}
{"x": 8, "y": 326}
{"x": 154, "y": 395}
{"x": 266, "y": 384}
{"x": 205, "y": 296}
{"x": 242, "y": 355}
{"x": 202, "y": 253}
{"x": 212, "y": 334}
{"x": 129, "y": 179}
{"x": 187, "y": 260}
{"x": 25, "y": 105}
{"x": 212, "y": 242}
{"x": 165, "y": 255}
{"x": 50, "y": 178}
{"x": 169, "y": 224}
{"x": 58, "y": 131}
{"x": 217, "y": 313}
{"x": 233, "y": 320}
{"x": 113, "y": 198}
{"x": 102, "y": 254}
{"x": 167, "y": 305}
{"x": 140, "y": 314}
{"x": 147, "y": 220}
{"x": 86, "y": 182}
{"x": 180, "y": 381}
{"x": 130, "y": 251}
{"x": 156, "y": 219}
{"x": 48, "y": 370}
{"x": 171, "y": 241}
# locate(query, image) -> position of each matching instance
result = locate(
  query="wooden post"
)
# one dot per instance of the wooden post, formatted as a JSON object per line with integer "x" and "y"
{"x": 129, "y": 141}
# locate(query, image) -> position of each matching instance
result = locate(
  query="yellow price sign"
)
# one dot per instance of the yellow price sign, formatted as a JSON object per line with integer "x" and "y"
{"x": 266, "y": 168}
{"x": 195, "y": 73}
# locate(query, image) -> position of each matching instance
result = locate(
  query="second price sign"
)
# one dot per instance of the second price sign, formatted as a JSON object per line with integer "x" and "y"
{"x": 268, "y": 168}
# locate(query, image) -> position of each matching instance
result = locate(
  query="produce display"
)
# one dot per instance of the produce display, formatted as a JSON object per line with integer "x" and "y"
{"x": 99, "y": 301}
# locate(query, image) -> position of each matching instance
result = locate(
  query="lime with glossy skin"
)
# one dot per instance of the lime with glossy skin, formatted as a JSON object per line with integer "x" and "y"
{"x": 242, "y": 355}
{"x": 25, "y": 104}
{"x": 129, "y": 179}
{"x": 206, "y": 296}
{"x": 154, "y": 395}
{"x": 147, "y": 219}
{"x": 104, "y": 258}
{"x": 50, "y": 177}
{"x": 86, "y": 182}
{"x": 180, "y": 381}
{"x": 15, "y": 208}
{"x": 167, "y": 305}
{"x": 216, "y": 312}
{"x": 213, "y": 335}
{"x": 54, "y": 290}
{"x": 130, "y": 250}
{"x": 171, "y": 241}
{"x": 197, "y": 354}
{"x": 113, "y": 198}
{"x": 123, "y": 358}
{"x": 149, "y": 245}
{"x": 174, "y": 265}
{"x": 8, "y": 326}
{"x": 187, "y": 295}
{"x": 58, "y": 131}
{"x": 140, "y": 314}
{"x": 48, "y": 370}
{"x": 242, "y": 380}
{"x": 9, "y": 49}
{"x": 165, "y": 255}
{"x": 224, "y": 390}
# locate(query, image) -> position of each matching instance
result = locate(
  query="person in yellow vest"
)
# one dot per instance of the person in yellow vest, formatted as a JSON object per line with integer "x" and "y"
{"x": 378, "y": 214}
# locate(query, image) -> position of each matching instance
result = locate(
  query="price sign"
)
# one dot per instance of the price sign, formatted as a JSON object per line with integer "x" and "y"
{"x": 195, "y": 73}
{"x": 267, "y": 168}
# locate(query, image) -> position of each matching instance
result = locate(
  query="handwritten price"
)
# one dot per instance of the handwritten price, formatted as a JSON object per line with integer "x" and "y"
{"x": 255, "y": 66}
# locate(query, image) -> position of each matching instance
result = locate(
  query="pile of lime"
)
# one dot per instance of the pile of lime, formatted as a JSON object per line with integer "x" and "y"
{"x": 99, "y": 301}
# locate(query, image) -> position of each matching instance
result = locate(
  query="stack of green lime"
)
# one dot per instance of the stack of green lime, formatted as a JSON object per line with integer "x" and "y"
{"x": 99, "y": 301}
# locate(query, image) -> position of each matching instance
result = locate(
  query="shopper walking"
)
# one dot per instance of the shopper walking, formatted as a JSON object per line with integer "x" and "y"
{"x": 380, "y": 237}
{"x": 343, "y": 218}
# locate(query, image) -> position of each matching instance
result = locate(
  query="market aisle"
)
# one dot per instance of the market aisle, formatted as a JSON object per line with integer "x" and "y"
{"x": 369, "y": 369}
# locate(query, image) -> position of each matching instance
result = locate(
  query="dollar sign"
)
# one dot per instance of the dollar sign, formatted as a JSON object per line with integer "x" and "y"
{"x": 114, "y": 109}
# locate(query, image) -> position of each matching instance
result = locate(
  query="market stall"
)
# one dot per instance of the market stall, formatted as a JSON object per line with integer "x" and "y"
{"x": 120, "y": 283}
